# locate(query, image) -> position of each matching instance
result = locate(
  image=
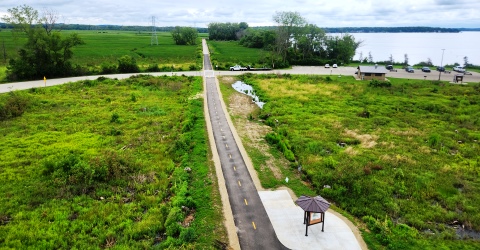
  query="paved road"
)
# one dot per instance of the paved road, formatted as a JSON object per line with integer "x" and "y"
{"x": 254, "y": 228}
{"x": 309, "y": 70}
{"x": 349, "y": 71}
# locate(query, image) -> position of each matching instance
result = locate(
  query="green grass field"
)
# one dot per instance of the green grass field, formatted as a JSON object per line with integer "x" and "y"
{"x": 111, "y": 45}
{"x": 404, "y": 158}
{"x": 108, "y": 46}
{"x": 99, "y": 164}
{"x": 228, "y": 53}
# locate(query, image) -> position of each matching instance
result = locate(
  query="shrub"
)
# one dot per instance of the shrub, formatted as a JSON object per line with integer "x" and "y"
{"x": 69, "y": 171}
{"x": 187, "y": 235}
{"x": 108, "y": 68}
{"x": 127, "y": 64}
{"x": 115, "y": 118}
{"x": 175, "y": 216}
{"x": 379, "y": 84}
{"x": 153, "y": 68}
{"x": 13, "y": 106}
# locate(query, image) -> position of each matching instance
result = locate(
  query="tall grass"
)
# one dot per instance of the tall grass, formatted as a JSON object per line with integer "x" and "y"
{"x": 403, "y": 157}
{"x": 104, "y": 163}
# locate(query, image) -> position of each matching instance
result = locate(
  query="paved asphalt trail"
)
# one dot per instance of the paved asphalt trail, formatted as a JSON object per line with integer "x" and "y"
{"x": 254, "y": 228}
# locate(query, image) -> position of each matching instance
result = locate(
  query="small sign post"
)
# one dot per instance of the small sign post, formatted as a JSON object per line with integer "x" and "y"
{"x": 45, "y": 81}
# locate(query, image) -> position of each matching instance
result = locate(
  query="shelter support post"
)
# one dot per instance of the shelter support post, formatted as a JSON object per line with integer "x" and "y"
{"x": 307, "y": 218}
{"x": 323, "y": 220}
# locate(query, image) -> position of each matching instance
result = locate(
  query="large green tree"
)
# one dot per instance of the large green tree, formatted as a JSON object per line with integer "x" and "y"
{"x": 310, "y": 44}
{"x": 46, "y": 52}
{"x": 226, "y": 31}
{"x": 289, "y": 28}
{"x": 341, "y": 49}
{"x": 302, "y": 43}
{"x": 184, "y": 35}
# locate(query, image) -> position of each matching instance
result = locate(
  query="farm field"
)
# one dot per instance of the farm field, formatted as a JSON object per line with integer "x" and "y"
{"x": 225, "y": 54}
{"x": 108, "y": 163}
{"x": 106, "y": 47}
{"x": 402, "y": 158}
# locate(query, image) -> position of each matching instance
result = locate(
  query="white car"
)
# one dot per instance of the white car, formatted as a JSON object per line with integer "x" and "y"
{"x": 327, "y": 65}
{"x": 237, "y": 68}
{"x": 334, "y": 66}
{"x": 459, "y": 69}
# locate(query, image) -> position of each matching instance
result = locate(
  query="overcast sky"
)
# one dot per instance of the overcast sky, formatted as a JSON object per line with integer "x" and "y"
{"x": 323, "y": 13}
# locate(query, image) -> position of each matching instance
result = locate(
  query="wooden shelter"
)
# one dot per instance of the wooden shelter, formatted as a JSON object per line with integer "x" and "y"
{"x": 314, "y": 208}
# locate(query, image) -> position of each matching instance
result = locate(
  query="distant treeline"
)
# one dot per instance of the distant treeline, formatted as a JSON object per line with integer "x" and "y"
{"x": 385, "y": 29}
{"x": 205, "y": 30}
{"x": 391, "y": 30}
{"x": 110, "y": 27}
{"x": 469, "y": 29}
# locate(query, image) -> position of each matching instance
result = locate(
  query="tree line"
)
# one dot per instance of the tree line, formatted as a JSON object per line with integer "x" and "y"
{"x": 292, "y": 41}
{"x": 391, "y": 30}
{"x": 137, "y": 28}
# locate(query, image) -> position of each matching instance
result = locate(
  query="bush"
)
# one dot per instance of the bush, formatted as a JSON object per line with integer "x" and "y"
{"x": 127, "y": 64}
{"x": 108, "y": 68}
{"x": 69, "y": 170}
{"x": 175, "y": 216}
{"x": 379, "y": 84}
{"x": 13, "y": 106}
{"x": 153, "y": 68}
{"x": 115, "y": 118}
{"x": 187, "y": 235}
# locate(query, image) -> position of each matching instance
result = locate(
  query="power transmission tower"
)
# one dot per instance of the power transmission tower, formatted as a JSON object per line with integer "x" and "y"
{"x": 154, "y": 38}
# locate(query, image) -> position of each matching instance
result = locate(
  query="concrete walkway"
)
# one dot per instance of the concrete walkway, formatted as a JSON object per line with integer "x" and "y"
{"x": 287, "y": 220}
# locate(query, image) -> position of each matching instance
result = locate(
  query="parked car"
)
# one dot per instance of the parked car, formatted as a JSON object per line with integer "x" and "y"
{"x": 459, "y": 69}
{"x": 327, "y": 65}
{"x": 441, "y": 69}
{"x": 409, "y": 69}
{"x": 389, "y": 67}
{"x": 426, "y": 69}
{"x": 237, "y": 68}
{"x": 334, "y": 65}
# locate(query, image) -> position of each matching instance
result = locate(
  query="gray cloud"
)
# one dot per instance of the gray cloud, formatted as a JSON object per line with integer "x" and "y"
{"x": 339, "y": 13}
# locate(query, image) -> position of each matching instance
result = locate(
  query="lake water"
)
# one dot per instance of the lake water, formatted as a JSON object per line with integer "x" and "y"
{"x": 421, "y": 46}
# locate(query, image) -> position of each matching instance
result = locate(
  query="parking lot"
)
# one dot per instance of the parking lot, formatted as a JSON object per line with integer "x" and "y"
{"x": 350, "y": 71}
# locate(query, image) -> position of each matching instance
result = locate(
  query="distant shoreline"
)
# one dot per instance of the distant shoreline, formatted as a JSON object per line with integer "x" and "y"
{"x": 418, "y": 29}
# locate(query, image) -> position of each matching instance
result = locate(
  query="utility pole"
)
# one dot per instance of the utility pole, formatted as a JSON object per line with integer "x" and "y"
{"x": 441, "y": 65}
{"x": 154, "y": 38}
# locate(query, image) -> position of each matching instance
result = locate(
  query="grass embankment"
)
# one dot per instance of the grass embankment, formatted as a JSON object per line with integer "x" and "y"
{"x": 108, "y": 163}
{"x": 228, "y": 53}
{"x": 404, "y": 157}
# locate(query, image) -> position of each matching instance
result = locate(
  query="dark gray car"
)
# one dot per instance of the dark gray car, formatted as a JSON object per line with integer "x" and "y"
{"x": 426, "y": 69}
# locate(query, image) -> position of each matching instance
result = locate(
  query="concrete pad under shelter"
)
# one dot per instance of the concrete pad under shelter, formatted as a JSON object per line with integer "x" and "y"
{"x": 287, "y": 221}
